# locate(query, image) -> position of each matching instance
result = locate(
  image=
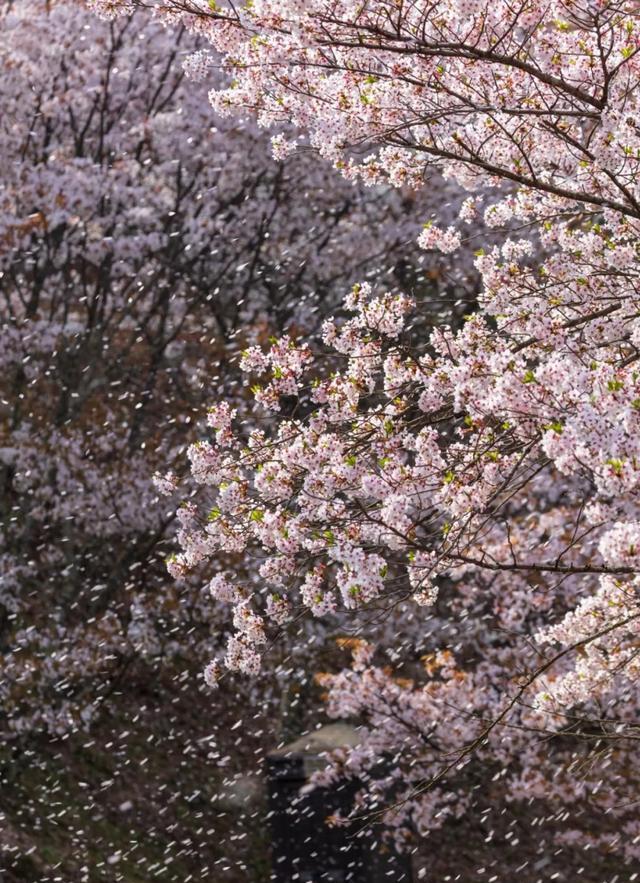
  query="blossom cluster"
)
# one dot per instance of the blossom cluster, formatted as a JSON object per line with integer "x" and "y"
{"x": 489, "y": 468}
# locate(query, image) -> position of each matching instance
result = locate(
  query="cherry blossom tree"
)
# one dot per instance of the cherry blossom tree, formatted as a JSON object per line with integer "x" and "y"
{"x": 489, "y": 474}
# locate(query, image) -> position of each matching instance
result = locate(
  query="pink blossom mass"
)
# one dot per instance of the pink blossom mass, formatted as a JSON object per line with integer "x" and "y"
{"x": 336, "y": 307}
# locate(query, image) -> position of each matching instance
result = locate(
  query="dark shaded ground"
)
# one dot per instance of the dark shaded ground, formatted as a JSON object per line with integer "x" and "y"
{"x": 150, "y": 794}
